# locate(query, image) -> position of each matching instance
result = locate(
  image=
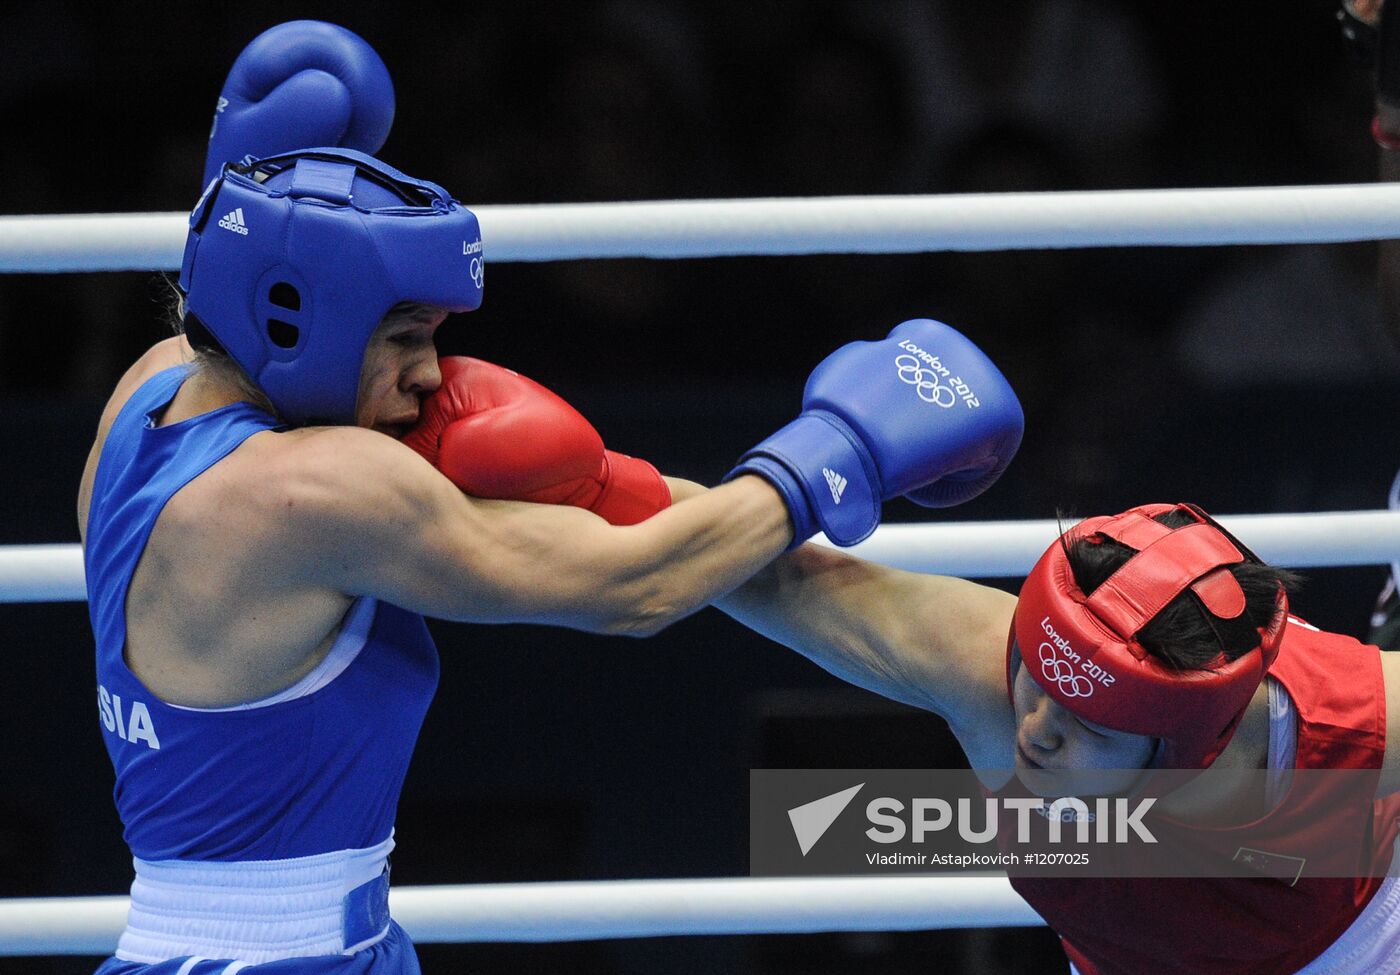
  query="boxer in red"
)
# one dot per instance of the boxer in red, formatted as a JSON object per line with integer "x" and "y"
{"x": 1151, "y": 639}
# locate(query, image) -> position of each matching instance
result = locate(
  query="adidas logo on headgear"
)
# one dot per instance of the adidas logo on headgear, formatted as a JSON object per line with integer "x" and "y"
{"x": 233, "y": 220}
{"x": 836, "y": 482}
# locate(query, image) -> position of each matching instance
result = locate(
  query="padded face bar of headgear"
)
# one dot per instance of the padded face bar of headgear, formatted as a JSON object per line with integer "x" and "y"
{"x": 1084, "y": 653}
{"x": 1158, "y": 573}
{"x": 292, "y": 261}
{"x": 1218, "y": 591}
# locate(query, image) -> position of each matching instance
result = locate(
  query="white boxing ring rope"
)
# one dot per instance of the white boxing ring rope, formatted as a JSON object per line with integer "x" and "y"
{"x": 823, "y": 225}
{"x": 586, "y": 911}
{"x": 886, "y": 224}
{"x": 972, "y": 549}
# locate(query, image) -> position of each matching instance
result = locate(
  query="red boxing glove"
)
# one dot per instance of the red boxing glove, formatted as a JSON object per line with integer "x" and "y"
{"x": 496, "y": 434}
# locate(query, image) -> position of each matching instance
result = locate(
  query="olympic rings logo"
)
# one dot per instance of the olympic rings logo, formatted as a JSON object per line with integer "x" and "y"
{"x": 925, "y": 382}
{"x": 478, "y": 272}
{"x": 1061, "y": 671}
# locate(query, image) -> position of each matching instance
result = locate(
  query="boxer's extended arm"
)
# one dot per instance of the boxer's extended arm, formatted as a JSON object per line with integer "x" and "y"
{"x": 392, "y": 528}
{"x": 932, "y": 641}
{"x": 935, "y": 642}
{"x": 367, "y": 516}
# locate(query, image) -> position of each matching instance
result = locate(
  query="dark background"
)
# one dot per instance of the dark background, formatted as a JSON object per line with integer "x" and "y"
{"x": 1244, "y": 379}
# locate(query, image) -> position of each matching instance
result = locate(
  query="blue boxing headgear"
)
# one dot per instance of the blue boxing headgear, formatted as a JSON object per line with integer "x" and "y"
{"x": 292, "y": 261}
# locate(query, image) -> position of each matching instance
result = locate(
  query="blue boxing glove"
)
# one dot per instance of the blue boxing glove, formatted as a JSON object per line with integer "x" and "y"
{"x": 922, "y": 413}
{"x": 301, "y": 84}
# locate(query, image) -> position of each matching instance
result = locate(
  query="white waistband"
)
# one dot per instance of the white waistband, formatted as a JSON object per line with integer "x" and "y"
{"x": 256, "y": 911}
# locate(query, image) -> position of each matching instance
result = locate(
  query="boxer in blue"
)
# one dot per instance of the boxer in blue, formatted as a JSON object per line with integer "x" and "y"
{"x": 260, "y": 554}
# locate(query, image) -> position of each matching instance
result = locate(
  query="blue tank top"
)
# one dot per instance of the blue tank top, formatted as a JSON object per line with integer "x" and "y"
{"x": 315, "y": 769}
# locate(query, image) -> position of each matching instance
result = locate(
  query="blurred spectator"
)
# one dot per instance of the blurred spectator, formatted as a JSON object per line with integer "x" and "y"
{"x": 1373, "y": 28}
{"x": 821, "y": 102}
{"x": 1287, "y": 317}
{"x": 1078, "y": 72}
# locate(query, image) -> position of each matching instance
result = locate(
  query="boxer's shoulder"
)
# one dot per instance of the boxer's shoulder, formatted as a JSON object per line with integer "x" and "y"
{"x": 283, "y": 496}
{"x": 164, "y": 355}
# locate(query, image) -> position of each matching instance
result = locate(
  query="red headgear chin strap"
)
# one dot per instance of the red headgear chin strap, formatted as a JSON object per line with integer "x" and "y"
{"x": 1083, "y": 650}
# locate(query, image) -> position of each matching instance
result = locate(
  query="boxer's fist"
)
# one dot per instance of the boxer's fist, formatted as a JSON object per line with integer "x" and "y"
{"x": 496, "y": 434}
{"x": 923, "y": 412}
{"x": 299, "y": 85}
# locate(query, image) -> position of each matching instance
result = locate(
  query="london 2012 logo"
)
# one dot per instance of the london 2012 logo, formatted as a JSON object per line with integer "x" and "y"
{"x": 477, "y": 268}
{"x": 925, "y": 382}
{"x": 1061, "y": 671}
{"x": 932, "y": 379}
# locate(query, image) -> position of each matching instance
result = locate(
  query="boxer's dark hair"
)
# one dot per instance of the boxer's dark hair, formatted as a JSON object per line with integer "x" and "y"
{"x": 1185, "y": 635}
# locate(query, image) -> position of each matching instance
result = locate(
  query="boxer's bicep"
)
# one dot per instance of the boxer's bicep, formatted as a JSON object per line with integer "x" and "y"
{"x": 400, "y": 531}
{"x": 382, "y": 522}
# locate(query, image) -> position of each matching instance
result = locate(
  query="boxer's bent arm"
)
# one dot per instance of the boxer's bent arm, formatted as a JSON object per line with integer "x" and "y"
{"x": 375, "y": 519}
{"x": 935, "y": 642}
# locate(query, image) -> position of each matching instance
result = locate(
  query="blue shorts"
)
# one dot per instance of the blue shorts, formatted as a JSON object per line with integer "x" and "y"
{"x": 393, "y": 955}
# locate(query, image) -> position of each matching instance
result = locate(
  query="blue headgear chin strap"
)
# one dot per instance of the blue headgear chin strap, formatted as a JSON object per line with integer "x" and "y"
{"x": 292, "y": 261}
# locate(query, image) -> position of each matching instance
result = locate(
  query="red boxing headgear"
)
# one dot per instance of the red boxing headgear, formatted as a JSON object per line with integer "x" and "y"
{"x": 1083, "y": 650}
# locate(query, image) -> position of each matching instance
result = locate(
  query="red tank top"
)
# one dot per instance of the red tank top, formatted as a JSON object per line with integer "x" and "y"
{"x": 1185, "y": 926}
